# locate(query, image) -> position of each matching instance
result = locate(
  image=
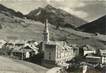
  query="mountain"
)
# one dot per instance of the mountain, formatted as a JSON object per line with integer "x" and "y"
{"x": 97, "y": 26}
{"x": 10, "y": 12}
{"x": 56, "y": 17}
{"x": 13, "y": 28}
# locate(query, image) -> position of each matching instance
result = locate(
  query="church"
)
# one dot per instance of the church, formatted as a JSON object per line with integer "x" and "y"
{"x": 55, "y": 52}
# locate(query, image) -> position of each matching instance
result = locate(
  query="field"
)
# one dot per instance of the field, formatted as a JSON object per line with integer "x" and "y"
{"x": 14, "y": 66}
{"x": 26, "y": 29}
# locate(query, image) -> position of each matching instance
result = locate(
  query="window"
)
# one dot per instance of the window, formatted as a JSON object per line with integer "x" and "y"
{"x": 50, "y": 46}
{"x": 49, "y": 56}
{"x": 104, "y": 59}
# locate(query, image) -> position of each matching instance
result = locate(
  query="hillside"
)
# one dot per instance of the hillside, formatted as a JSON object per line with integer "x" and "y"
{"x": 10, "y": 12}
{"x": 97, "y": 26}
{"x": 56, "y": 17}
{"x": 13, "y": 28}
{"x": 14, "y": 66}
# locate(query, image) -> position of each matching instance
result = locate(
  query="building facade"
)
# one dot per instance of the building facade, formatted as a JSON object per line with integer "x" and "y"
{"x": 103, "y": 56}
{"x": 88, "y": 50}
{"x": 55, "y": 52}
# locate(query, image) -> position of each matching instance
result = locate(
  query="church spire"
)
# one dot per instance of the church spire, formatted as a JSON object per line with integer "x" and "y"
{"x": 46, "y": 31}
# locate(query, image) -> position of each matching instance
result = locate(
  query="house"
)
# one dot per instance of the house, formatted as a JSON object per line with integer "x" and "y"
{"x": 75, "y": 49}
{"x": 33, "y": 49}
{"x": 2, "y": 42}
{"x": 2, "y": 49}
{"x": 55, "y": 52}
{"x": 17, "y": 54}
{"x": 93, "y": 59}
{"x": 32, "y": 45}
{"x": 9, "y": 45}
{"x": 7, "y": 48}
{"x": 22, "y": 51}
{"x": 103, "y": 56}
{"x": 18, "y": 44}
{"x": 32, "y": 42}
{"x": 87, "y": 49}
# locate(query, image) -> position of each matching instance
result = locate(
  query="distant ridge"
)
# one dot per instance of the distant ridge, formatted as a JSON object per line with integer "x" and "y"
{"x": 56, "y": 17}
{"x": 10, "y": 12}
{"x": 97, "y": 26}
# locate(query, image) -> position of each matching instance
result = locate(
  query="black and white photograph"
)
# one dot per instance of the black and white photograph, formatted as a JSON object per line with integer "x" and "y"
{"x": 52, "y": 36}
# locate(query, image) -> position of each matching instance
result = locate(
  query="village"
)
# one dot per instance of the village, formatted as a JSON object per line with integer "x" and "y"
{"x": 55, "y": 53}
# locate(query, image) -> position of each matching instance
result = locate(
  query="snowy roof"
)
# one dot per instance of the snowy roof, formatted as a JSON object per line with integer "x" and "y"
{"x": 88, "y": 48}
{"x": 91, "y": 55}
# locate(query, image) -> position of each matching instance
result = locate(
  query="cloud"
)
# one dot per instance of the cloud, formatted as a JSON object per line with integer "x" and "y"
{"x": 79, "y": 13}
{"x": 69, "y": 5}
{"x": 23, "y": 6}
{"x": 86, "y": 9}
{"x": 26, "y": 6}
{"x": 94, "y": 9}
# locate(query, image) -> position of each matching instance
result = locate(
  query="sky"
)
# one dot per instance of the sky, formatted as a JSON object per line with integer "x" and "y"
{"x": 86, "y": 9}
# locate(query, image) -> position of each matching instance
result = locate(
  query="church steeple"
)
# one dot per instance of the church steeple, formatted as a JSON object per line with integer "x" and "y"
{"x": 46, "y": 32}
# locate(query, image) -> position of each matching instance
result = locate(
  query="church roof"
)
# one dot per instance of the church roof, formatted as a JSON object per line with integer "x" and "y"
{"x": 56, "y": 43}
{"x": 60, "y": 44}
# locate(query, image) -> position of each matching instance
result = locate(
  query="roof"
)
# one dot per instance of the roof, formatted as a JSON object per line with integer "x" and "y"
{"x": 97, "y": 57}
{"x": 103, "y": 52}
{"x": 2, "y": 41}
{"x": 33, "y": 47}
{"x": 17, "y": 41}
{"x": 88, "y": 48}
{"x": 56, "y": 42}
{"x": 22, "y": 50}
{"x": 60, "y": 44}
{"x": 92, "y": 56}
